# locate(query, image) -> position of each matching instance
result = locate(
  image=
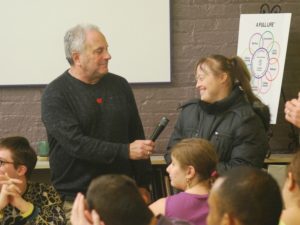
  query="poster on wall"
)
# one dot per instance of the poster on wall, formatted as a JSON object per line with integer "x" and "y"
{"x": 262, "y": 44}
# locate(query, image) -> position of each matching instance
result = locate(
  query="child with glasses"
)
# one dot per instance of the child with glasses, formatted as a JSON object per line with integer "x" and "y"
{"x": 22, "y": 201}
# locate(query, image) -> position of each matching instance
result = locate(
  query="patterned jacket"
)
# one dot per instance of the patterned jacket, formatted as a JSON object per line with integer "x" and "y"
{"x": 47, "y": 207}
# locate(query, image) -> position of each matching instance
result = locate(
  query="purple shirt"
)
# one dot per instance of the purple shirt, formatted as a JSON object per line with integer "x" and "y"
{"x": 189, "y": 207}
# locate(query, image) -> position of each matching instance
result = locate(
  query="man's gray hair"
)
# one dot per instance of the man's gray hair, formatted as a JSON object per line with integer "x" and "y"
{"x": 74, "y": 39}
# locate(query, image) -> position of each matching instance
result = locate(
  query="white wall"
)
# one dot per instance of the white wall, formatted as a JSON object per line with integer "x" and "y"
{"x": 32, "y": 31}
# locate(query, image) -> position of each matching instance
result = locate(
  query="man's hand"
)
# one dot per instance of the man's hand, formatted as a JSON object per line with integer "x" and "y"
{"x": 141, "y": 149}
{"x": 292, "y": 111}
{"x": 78, "y": 213}
{"x": 81, "y": 216}
{"x": 96, "y": 219}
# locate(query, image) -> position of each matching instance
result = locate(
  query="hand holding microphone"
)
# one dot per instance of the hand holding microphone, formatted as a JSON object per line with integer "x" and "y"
{"x": 142, "y": 149}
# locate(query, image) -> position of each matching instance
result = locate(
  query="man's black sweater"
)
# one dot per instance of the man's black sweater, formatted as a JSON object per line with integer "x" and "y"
{"x": 89, "y": 129}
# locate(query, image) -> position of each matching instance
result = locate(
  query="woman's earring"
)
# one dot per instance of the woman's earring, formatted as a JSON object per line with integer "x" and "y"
{"x": 188, "y": 181}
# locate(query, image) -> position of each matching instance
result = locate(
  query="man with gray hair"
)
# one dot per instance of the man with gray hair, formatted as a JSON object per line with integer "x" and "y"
{"x": 92, "y": 120}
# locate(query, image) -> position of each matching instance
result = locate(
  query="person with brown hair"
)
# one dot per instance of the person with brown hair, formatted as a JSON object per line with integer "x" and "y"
{"x": 114, "y": 199}
{"x": 193, "y": 169}
{"x": 22, "y": 201}
{"x": 291, "y": 193}
{"x": 228, "y": 114}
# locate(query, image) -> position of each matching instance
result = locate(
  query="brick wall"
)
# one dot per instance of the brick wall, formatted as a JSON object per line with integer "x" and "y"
{"x": 198, "y": 28}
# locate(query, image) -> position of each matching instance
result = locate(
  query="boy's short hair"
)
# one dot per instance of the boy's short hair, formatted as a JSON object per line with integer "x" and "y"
{"x": 21, "y": 151}
{"x": 118, "y": 201}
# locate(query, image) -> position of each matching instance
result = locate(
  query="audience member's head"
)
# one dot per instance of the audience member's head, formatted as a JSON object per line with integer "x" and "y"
{"x": 114, "y": 199}
{"x": 17, "y": 152}
{"x": 245, "y": 196}
{"x": 194, "y": 157}
{"x": 117, "y": 200}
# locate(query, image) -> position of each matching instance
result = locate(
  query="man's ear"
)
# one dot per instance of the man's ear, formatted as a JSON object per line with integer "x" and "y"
{"x": 291, "y": 183}
{"x": 225, "y": 219}
{"x": 21, "y": 170}
{"x": 228, "y": 219}
{"x": 145, "y": 195}
{"x": 76, "y": 58}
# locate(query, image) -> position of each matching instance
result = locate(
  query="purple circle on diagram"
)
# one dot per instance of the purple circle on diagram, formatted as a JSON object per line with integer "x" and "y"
{"x": 260, "y": 63}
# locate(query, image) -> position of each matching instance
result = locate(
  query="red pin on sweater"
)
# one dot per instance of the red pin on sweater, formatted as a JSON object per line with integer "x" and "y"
{"x": 99, "y": 100}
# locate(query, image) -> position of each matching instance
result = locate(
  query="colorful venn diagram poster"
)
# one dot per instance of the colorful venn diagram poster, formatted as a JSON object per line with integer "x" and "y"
{"x": 262, "y": 44}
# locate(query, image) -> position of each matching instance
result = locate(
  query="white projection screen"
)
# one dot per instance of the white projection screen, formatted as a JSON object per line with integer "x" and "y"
{"x": 32, "y": 31}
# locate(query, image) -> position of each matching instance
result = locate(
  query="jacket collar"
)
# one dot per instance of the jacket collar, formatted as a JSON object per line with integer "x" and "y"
{"x": 224, "y": 104}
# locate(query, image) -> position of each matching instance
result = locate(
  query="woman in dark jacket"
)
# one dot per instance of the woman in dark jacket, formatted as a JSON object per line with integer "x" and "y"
{"x": 228, "y": 114}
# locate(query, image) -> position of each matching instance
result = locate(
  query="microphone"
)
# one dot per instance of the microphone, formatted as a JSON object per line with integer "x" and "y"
{"x": 159, "y": 128}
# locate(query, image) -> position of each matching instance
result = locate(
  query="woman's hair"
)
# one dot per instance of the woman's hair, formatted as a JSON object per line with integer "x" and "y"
{"x": 294, "y": 167}
{"x": 236, "y": 70}
{"x": 198, "y": 153}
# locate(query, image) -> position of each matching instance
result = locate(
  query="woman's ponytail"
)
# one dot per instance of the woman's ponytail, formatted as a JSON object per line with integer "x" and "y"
{"x": 241, "y": 75}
